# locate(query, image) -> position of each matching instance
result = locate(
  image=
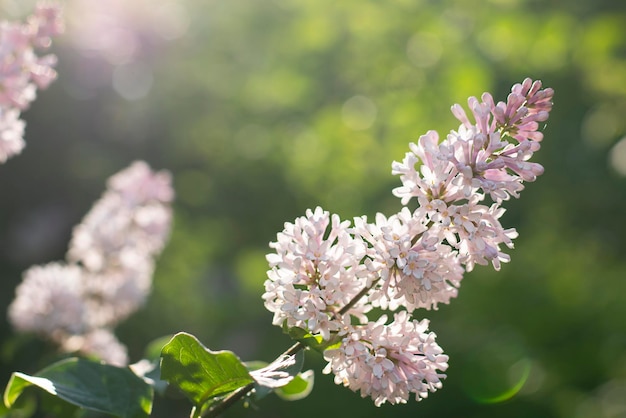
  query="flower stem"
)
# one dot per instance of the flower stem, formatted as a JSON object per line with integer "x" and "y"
{"x": 229, "y": 401}
{"x": 356, "y": 298}
{"x": 242, "y": 392}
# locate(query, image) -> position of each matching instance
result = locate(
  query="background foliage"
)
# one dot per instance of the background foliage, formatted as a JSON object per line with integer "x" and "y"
{"x": 265, "y": 108}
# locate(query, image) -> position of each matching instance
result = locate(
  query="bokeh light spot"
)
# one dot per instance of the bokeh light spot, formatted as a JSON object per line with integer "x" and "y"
{"x": 171, "y": 20}
{"x": 250, "y": 267}
{"x": 252, "y": 141}
{"x": 359, "y": 113}
{"x": 617, "y": 157}
{"x": 613, "y": 398}
{"x": 496, "y": 40}
{"x": 132, "y": 81}
{"x": 600, "y": 126}
{"x": 498, "y": 371}
{"x": 517, "y": 376}
{"x": 424, "y": 49}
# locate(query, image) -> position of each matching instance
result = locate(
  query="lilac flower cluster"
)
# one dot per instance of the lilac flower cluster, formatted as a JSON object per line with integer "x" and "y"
{"x": 22, "y": 71}
{"x": 108, "y": 273}
{"x": 326, "y": 276}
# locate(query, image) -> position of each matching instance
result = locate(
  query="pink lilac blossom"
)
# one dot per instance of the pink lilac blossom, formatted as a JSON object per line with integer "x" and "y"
{"x": 11, "y": 133}
{"x": 43, "y": 290}
{"x": 100, "y": 343}
{"x": 389, "y": 362}
{"x": 108, "y": 274}
{"x": 22, "y": 71}
{"x": 413, "y": 259}
{"x": 314, "y": 273}
{"x": 489, "y": 156}
{"x": 408, "y": 268}
{"x": 118, "y": 239}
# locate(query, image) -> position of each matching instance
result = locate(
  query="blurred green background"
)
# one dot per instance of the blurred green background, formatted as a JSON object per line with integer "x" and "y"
{"x": 264, "y": 108}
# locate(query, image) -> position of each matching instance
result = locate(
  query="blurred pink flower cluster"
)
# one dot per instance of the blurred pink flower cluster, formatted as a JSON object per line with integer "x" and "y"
{"x": 109, "y": 267}
{"x": 22, "y": 71}
{"x": 327, "y": 276}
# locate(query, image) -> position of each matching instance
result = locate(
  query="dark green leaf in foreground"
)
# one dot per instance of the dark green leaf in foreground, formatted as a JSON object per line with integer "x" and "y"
{"x": 90, "y": 385}
{"x": 201, "y": 374}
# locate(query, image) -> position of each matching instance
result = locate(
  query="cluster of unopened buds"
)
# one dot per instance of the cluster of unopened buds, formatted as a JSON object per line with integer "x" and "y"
{"x": 108, "y": 272}
{"x": 328, "y": 275}
{"x": 22, "y": 71}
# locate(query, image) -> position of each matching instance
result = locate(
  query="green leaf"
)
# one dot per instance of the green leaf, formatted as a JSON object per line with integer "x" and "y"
{"x": 317, "y": 343}
{"x": 299, "y": 388}
{"x": 4, "y": 411}
{"x": 149, "y": 367}
{"x": 150, "y": 373}
{"x": 201, "y": 374}
{"x": 57, "y": 407}
{"x": 89, "y": 385}
{"x": 24, "y": 407}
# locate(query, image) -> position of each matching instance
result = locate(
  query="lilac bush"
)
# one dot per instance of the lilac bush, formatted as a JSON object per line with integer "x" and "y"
{"x": 349, "y": 289}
